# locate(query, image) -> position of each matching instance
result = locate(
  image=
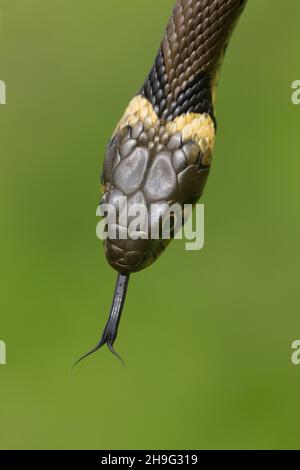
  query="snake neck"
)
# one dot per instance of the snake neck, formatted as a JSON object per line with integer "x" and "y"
{"x": 184, "y": 76}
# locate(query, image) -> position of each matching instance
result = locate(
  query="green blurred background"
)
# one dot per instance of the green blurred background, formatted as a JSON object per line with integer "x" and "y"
{"x": 206, "y": 336}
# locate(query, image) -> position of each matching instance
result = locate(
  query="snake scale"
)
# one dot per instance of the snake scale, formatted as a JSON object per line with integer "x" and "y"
{"x": 161, "y": 150}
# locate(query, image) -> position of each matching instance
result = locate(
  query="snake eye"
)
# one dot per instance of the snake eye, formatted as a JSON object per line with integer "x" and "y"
{"x": 172, "y": 222}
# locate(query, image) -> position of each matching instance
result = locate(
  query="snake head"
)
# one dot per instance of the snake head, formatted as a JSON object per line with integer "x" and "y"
{"x": 151, "y": 167}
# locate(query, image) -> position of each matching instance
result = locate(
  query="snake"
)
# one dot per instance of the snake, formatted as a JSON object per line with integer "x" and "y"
{"x": 161, "y": 150}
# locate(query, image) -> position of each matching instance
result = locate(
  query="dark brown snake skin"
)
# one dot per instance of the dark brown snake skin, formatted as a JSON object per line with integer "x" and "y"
{"x": 197, "y": 33}
{"x": 162, "y": 148}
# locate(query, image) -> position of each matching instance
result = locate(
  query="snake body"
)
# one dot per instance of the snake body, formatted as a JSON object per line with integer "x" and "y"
{"x": 161, "y": 150}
